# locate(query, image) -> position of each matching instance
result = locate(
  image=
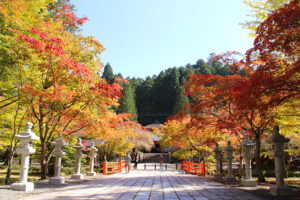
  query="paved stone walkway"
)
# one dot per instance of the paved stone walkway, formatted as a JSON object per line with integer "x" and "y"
{"x": 151, "y": 185}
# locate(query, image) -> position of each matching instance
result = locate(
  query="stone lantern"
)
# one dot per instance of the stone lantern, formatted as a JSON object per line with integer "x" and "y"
{"x": 277, "y": 141}
{"x": 229, "y": 155}
{"x": 25, "y": 150}
{"x": 92, "y": 155}
{"x": 248, "y": 154}
{"x": 218, "y": 157}
{"x": 59, "y": 144}
{"x": 78, "y": 154}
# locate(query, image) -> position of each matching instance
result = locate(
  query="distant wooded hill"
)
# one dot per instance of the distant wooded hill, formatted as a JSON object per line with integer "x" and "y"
{"x": 158, "y": 97}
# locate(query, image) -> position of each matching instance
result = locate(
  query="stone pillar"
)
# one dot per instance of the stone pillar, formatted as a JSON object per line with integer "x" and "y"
{"x": 78, "y": 156}
{"x": 25, "y": 150}
{"x": 92, "y": 155}
{"x": 229, "y": 155}
{"x": 218, "y": 157}
{"x": 248, "y": 154}
{"x": 277, "y": 141}
{"x": 59, "y": 144}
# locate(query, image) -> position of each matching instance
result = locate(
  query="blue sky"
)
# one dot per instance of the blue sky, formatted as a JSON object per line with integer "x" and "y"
{"x": 144, "y": 37}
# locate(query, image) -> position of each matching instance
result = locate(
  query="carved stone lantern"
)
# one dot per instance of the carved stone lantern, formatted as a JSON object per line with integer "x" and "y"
{"x": 277, "y": 140}
{"x": 218, "y": 157}
{"x": 92, "y": 155}
{"x": 229, "y": 155}
{"x": 59, "y": 144}
{"x": 78, "y": 146}
{"x": 248, "y": 154}
{"x": 25, "y": 150}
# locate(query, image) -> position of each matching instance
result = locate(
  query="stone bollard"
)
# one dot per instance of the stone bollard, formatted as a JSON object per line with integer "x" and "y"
{"x": 78, "y": 156}
{"x": 229, "y": 151}
{"x": 218, "y": 157}
{"x": 59, "y": 144}
{"x": 248, "y": 154}
{"x": 25, "y": 150}
{"x": 277, "y": 141}
{"x": 92, "y": 155}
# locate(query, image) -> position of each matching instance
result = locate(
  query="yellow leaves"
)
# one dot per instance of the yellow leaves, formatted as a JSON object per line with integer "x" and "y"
{"x": 260, "y": 9}
{"x": 58, "y": 77}
{"x": 288, "y": 118}
{"x": 24, "y": 14}
{"x": 182, "y": 133}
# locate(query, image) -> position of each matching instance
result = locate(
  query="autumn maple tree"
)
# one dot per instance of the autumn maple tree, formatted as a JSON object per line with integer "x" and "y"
{"x": 191, "y": 138}
{"x": 267, "y": 78}
{"x": 58, "y": 78}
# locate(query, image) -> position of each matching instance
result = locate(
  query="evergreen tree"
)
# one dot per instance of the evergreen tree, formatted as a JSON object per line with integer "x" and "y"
{"x": 119, "y": 75}
{"x": 164, "y": 93}
{"x": 157, "y": 97}
{"x": 145, "y": 101}
{"x": 108, "y": 74}
{"x": 127, "y": 102}
{"x": 180, "y": 100}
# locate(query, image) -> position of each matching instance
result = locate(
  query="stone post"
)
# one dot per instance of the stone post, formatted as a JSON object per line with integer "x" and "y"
{"x": 277, "y": 141}
{"x": 78, "y": 146}
{"x": 248, "y": 154}
{"x": 92, "y": 155}
{"x": 25, "y": 150}
{"x": 218, "y": 158}
{"x": 59, "y": 144}
{"x": 229, "y": 155}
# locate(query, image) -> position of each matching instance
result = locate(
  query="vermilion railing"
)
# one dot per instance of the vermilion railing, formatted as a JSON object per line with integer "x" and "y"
{"x": 113, "y": 167}
{"x": 194, "y": 168}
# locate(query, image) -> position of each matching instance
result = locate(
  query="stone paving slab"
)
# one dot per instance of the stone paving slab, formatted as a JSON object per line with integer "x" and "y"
{"x": 151, "y": 185}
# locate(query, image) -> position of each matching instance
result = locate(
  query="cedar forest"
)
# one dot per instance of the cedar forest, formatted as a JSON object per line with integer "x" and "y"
{"x": 47, "y": 78}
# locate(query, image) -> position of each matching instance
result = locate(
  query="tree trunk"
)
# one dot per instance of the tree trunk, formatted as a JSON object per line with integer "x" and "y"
{"x": 10, "y": 160}
{"x": 287, "y": 166}
{"x": 221, "y": 164}
{"x": 261, "y": 177}
{"x": 44, "y": 163}
{"x": 240, "y": 163}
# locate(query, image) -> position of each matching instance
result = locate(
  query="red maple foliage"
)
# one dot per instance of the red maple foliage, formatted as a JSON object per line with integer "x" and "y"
{"x": 69, "y": 18}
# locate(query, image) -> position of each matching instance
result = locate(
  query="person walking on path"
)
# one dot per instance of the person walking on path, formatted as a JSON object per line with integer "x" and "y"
{"x": 161, "y": 160}
{"x": 127, "y": 161}
{"x": 136, "y": 159}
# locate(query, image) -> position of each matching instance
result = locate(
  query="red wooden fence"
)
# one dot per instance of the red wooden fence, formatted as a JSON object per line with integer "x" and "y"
{"x": 194, "y": 168}
{"x": 113, "y": 167}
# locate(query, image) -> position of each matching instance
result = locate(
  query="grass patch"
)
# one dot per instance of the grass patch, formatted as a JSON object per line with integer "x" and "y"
{"x": 292, "y": 182}
{"x": 34, "y": 173}
{"x": 15, "y": 176}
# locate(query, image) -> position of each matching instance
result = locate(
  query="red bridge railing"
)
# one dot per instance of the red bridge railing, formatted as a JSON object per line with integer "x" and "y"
{"x": 194, "y": 168}
{"x": 113, "y": 167}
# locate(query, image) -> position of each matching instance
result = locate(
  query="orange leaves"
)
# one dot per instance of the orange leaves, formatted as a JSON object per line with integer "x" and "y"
{"x": 108, "y": 90}
{"x": 42, "y": 42}
{"x": 279, "y": 32}
{"x": 76, "y": 68}
{"x": 121, "y": 80}
{"x": 275, "y": 56}
{"x": 183, "y": 131}
{"x": 69, "y": 18}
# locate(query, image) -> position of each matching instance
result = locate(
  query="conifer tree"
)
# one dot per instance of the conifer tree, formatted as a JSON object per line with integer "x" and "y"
{"x": 127, "y": 102}
{"x": 180, "y": 100}
{"x": 108, "y": 74}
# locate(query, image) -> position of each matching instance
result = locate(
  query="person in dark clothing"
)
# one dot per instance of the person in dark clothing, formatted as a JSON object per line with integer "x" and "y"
{"x": 136, "y": 160}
